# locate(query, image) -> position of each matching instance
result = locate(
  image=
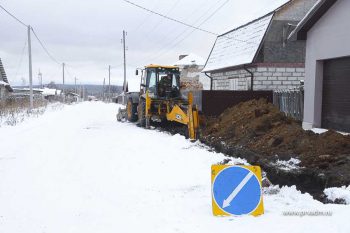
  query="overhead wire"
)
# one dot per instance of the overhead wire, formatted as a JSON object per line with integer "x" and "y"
{"x": 171, "y": 19}
{"x": 160, "y": 22}
{"x": 209, "y": 17}
{"x": 35, "y": 35}
{"x": 165, "y": 49}
{"x": 44, "y": 47}
{"x": 162, "y": 48}
{"x": 13, "y": 16}
{"x": 144, "y": 20}
{"x": 193, "y": 27}
{"x": 21, "y": 59}
{"x": 193, "y": 30}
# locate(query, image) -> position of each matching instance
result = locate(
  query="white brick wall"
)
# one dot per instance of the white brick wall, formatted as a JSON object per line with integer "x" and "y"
{"x": 265, "y": 78}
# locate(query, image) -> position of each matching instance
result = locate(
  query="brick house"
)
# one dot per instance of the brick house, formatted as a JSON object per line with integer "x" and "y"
{"x": 5, "y": 87}
{"x": 191, "y": 75}
{"x": 258, "y": 55}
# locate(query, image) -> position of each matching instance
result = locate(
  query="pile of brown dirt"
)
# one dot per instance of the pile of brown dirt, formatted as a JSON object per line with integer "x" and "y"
{"x": 258, "y": 131}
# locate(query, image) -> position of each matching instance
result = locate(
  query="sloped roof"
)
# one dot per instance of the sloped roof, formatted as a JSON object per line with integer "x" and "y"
{"x": 191, "y": 59}
{"x": 2, "y": 73}
{"x": 3, "y": 77}
{"x": 315, "y": 13}
{"x": 239, "y": 46}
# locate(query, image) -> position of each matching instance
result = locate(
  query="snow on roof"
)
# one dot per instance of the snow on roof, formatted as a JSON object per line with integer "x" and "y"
{"x": 44, "y": 91}
{"x": 191, "y": 59}
{"x": 48, "y": 91}
{"x": 4, "y": 83}
{"x": 3, "y": 78}
{"x": 239, "y": 46}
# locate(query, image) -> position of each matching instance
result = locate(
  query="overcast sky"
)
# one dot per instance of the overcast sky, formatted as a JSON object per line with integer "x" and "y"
{"x": 86, "y": 34}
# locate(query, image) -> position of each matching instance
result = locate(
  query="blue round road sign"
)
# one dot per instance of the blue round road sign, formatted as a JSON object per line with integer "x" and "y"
{"x": 237, "y": 190}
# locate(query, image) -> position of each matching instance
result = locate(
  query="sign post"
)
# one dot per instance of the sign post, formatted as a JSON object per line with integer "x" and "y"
{"x": 236, "y": 190}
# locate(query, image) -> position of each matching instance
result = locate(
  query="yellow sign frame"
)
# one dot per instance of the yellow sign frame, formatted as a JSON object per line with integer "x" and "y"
{"x": 216, "y": 169}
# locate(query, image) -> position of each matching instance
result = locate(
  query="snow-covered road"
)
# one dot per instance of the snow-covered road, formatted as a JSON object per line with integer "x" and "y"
{"x": 79, "y": 170}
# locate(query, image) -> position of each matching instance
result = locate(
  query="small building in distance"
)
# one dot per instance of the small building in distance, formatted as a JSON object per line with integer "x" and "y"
{"x": 51, "y": 94}
{"x": 191, "y": 76}
{"x": 258, "y": 54}
{"x": 5, "y": 87}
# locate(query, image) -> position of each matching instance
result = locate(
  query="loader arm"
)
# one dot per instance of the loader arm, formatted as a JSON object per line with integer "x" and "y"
{"x": 189, "y": 118}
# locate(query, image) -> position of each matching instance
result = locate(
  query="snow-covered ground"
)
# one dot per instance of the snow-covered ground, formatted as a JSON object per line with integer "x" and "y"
{"x": 79, "y": 170}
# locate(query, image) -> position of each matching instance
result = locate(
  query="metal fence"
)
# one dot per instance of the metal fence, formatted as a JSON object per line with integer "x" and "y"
{"x": 291, "y": 102}
{"x": 197, "y": 97}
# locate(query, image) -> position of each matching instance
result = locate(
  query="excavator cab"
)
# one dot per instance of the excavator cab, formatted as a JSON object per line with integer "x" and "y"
{"x": 161, "y": 82}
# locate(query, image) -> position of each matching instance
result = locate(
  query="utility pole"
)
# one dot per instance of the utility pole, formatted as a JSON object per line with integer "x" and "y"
{"x": 30, "y": 70}
{"x": 109, "y": 83}
{"x": 63, "y": 87}
{"x": 81, "y": 92}
{"x": 103, "y": 89}
{"x": 75, "y": 85}
{"x": 124, "y": 84}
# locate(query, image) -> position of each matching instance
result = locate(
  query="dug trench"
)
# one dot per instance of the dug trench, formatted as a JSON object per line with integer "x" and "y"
{"x": 258, "y": 132}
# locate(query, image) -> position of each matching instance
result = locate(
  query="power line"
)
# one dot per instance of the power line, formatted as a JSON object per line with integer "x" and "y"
{"x": 43, "y": 46}
{"x": 144, "y": 20}
{"x": 171, "y": 19}
{"x": 14, "y": 17}
{"x": 158, "y": 24}
{"x": 186, "y": 36}
{"x": 212, "y": 14}
{"x": 20, "y": 61}
{"x": 36, "y": 36}
{"x": 165, "y": 50}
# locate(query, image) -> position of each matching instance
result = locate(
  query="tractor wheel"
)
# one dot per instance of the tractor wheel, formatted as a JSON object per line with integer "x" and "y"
{"x": 131, "y": 110}
{"x": 142, "y": 113}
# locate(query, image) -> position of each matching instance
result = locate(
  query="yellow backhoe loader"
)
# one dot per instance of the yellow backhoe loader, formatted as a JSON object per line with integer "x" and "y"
{"x": 160, "y": 99}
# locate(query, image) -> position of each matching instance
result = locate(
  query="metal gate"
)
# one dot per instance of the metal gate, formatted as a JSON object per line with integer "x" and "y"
{"x": 291, "y": 102}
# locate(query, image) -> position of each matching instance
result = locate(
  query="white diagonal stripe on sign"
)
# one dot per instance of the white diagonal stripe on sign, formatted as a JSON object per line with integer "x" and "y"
{"x": 229, "y": 199}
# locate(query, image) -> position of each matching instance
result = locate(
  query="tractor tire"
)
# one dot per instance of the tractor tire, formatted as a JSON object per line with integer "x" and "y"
{"x": 131, "y": 110}
{"x": 141, "y": 109}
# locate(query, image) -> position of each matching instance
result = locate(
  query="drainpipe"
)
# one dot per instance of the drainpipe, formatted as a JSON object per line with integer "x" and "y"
{"x": 211, "y": 81}
{"x": 251, "y": 77}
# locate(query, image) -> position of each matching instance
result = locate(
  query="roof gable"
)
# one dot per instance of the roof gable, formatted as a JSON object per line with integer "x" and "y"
{"x": 239, "y": 46}
{"x": 311, "y": 18}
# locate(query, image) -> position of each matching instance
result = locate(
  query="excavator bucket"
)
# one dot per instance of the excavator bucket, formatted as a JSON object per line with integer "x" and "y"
{"x": 189, "y": 118}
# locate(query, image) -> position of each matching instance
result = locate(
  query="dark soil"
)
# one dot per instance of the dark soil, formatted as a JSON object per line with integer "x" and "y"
{"x": 259, "y": 132}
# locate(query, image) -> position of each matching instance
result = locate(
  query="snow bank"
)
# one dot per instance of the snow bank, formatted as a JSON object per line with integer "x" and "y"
{"x": 321, "y": 131}
{"x": 79, "y": 170}
{"x": 342, "y": 193}
{"x": 292, "y": 164}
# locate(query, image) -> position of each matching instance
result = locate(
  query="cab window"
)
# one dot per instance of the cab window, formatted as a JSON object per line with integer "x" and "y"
{"x": 152, "y": 81}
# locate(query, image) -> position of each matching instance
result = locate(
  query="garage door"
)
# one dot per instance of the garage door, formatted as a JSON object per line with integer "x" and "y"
{"x": 336, "y": 95}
